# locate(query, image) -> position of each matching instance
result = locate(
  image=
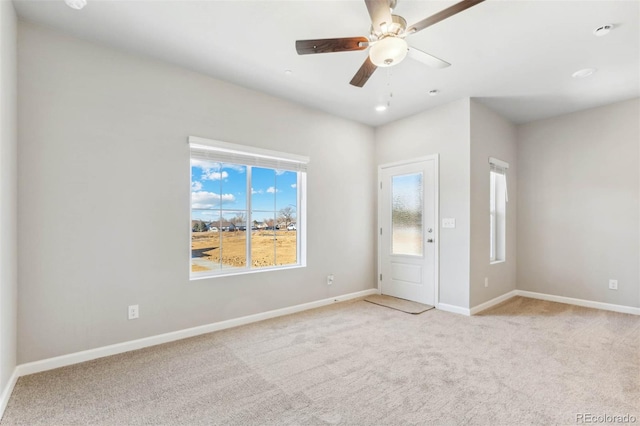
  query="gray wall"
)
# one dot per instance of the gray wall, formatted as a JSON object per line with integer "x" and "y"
{"x": 445, "y": 131}
{"x": 578, "y": 204}
{"x": 104, "y": 196}
{"x": 491, "y": 136}
{"x": 8, "y": 192}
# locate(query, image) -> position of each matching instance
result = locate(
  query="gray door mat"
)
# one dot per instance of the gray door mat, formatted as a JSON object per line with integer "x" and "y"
{"x": 403, "y": 305}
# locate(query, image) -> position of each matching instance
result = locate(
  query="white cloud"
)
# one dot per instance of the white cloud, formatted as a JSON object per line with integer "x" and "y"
{"x": 209, "y": 200}
{"x": 214, "y": 175}
{"x": 294, "y": 185}
{"x": 260, "y": 191}
{"x": 272, "y": 190}
{"x": 196, "y": 186}
{"x": 280, "y": 172}
{"x": 237, "y": 167}
{"x": 214, "y": 171}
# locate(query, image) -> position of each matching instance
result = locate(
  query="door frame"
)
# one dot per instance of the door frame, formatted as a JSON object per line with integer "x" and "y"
{"x": 436, "y": 230}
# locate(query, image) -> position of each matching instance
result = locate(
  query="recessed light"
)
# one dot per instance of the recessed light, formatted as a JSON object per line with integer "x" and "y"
{"x": 288, "y": 72}
{"x": 381, "y": 108}
{"x": 434, "y": 92}
{"x": 603, "y": 30}
{"x": 76, "y": 4}
{"x": 583, "y": 73}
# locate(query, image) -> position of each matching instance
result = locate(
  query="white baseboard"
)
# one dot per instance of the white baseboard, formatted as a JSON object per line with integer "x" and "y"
{"x": 6, "y": 392}
{"x": 579, "y": 302}
{"x": 491, "y": 303}
{"x": 453, "y": 309}
{"x": 541, "y": 296}
{"x": 88, "y": 355}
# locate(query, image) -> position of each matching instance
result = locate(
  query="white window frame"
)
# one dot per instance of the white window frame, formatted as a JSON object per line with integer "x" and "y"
{"x": 498, "y": 199}
{"x": 254, "y": 157}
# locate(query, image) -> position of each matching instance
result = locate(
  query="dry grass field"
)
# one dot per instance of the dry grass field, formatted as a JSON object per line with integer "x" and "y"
{"x": 268, "y": 248}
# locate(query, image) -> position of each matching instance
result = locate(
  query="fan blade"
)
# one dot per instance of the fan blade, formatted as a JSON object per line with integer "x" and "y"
{"x": 380, "y": 13}
{"x": 427, "y": 59}
{"x": 366, "y": 70}
{"x": 444, "y": 14}
{"x": 328, "y": 45}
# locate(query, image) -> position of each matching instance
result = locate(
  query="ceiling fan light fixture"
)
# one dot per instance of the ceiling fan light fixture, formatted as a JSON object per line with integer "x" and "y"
{"x": 388, "y": 51}
{"x": 381, "y": 108}
{"x": 76, "y": 4}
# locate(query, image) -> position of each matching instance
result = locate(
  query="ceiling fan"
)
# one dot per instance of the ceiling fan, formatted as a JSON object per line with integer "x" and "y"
{"x": 386, "y": 42}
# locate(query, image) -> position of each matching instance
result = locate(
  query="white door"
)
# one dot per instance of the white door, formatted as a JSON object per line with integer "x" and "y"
{"x": 408, "y": 232}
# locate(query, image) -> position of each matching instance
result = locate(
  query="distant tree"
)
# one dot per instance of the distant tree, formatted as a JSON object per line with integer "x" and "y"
{"x": 287, "y": 215}
{"x": 270, "y": 223}
{"x": 199, "y": 226}
{"x": 239, "y": 219}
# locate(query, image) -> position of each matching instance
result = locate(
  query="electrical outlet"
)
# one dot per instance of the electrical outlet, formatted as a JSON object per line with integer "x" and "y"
{"x": 134, "y": 312}
{"x": 486, "y": 281}
{"x": 329, "y": 279}
{"x": 613, "y": 284}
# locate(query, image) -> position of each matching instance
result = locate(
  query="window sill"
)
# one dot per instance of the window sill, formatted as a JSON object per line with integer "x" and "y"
{"x": 223, "y": 274}
{"x": 495, "y": 262}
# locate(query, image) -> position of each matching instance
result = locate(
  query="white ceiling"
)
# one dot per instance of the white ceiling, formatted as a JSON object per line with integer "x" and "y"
{"x": 516, "y": 56}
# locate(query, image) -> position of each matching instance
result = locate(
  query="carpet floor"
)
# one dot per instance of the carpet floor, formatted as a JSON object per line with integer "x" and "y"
{"x": 356, "y": 363}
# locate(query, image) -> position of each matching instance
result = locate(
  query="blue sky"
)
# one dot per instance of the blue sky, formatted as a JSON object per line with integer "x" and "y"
{"x": 215, "y": 185}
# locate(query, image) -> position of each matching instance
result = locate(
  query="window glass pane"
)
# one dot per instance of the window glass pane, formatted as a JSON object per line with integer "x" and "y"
{"x": 205, "y": 184}
{"x": 263, "y": 240}
{"x": 492, "y": 216}
{"x": 287, "y": 245}
{"x": 233, "y": 178}
{"x": 263, "y": 189}
{"x": 205, "y": 241}
{"x": 233, "y": 233}
{"x": 406, "y": 214}
{"x": 286, "y": 190}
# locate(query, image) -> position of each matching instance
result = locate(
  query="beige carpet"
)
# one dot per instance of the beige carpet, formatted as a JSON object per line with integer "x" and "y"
{"x": 403, "y": 305}
{"x": 524, "y": 362}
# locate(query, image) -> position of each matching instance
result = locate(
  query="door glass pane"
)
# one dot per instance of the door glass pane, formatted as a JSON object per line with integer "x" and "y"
{"x": 406, "y": 214}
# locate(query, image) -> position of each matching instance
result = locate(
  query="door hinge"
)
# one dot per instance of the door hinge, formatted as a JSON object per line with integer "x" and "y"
{"x": 380, "y": 277}
{"x": 380, "y": 231}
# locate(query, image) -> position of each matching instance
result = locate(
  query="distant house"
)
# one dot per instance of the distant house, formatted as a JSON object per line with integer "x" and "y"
{"x": 290, "y": 227}
{"x": 222, "y": 225}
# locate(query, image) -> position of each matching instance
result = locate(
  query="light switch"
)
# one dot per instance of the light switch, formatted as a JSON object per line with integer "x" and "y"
{"x": 449, "y": 222}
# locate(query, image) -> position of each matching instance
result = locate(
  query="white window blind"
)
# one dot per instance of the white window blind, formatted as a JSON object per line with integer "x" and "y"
{"x": 224, "y": 152}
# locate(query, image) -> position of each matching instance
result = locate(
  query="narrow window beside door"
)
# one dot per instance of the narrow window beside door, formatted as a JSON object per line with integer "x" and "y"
{"x": 498, "y": 198}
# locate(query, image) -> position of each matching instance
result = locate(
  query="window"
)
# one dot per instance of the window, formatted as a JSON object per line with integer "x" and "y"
{"x": 247, "y": 209}
{"x": 498, "y": 198}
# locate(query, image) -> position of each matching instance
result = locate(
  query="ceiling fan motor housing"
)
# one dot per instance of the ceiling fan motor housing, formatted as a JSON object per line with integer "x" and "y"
{"x": 397, "y": 27}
